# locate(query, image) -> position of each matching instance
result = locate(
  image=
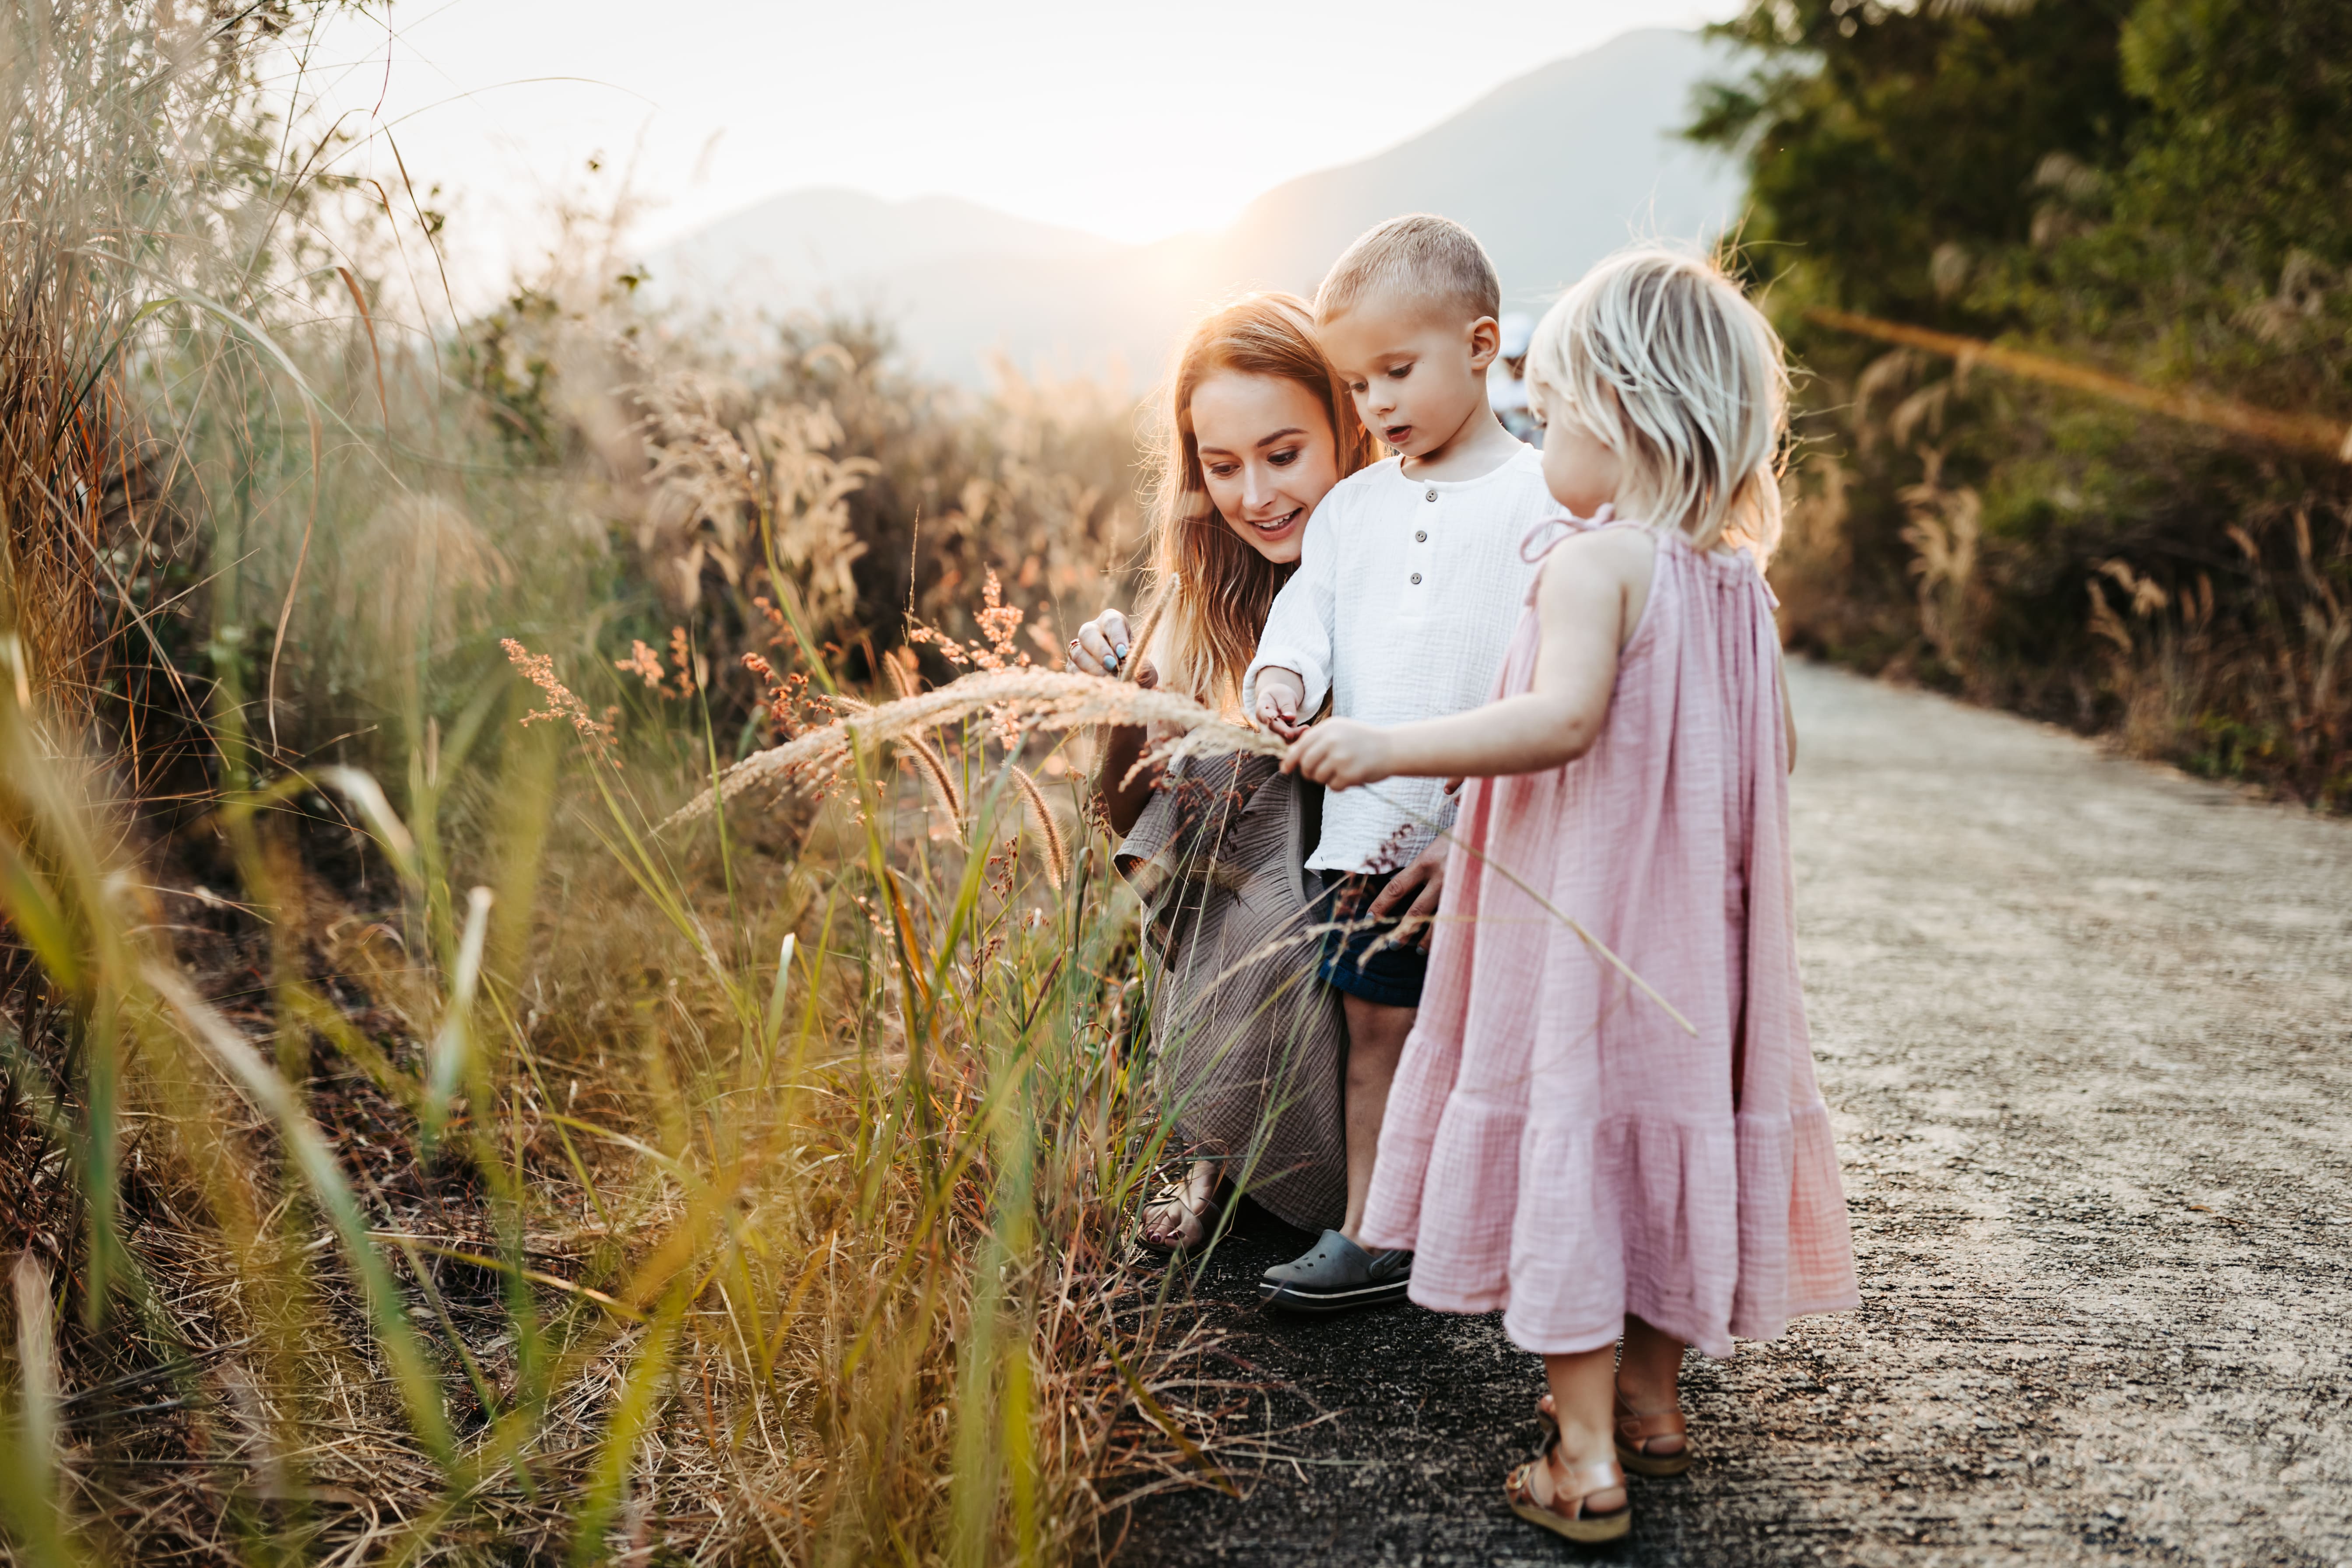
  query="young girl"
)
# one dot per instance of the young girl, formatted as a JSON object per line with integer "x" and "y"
{"x": 1609, "y": 1154}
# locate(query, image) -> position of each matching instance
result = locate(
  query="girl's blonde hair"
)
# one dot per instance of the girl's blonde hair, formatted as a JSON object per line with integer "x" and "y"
{"x": 1209, "y": 591}
{"x": 1661, "y": 357}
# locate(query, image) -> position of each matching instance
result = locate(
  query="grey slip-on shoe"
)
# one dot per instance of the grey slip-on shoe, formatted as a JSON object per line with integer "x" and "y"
{"x": 1336, "y": 1276}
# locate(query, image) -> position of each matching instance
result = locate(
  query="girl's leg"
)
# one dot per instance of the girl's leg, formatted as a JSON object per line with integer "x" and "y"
{"x": 1583, "y": 1389}
{"x": 1648, "y": 1377}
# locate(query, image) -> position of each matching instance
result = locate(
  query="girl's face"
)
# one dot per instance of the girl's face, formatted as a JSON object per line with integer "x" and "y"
{"x": 1580, "y": 472}
{"x": 1268, "y": 455}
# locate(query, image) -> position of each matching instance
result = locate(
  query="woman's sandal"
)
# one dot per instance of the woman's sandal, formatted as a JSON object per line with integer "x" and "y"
{"x": 1636, "y": 1433}
{"x": 1563, "y": 1514}
{"x": 1201, "y": 1221}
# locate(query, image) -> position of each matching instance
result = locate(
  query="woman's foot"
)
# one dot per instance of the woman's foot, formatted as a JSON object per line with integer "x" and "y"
{"x": 1183, "y": 1213}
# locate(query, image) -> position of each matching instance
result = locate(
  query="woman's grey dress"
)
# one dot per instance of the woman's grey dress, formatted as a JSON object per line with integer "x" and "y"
{"x": 1248, "y": 1042}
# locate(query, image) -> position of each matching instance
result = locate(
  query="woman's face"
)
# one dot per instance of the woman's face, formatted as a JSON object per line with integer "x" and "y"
{"x": 1266, "y": 454}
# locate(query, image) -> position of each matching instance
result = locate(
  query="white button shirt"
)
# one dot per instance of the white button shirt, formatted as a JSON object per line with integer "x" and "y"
{"x": 1405, "y": 601}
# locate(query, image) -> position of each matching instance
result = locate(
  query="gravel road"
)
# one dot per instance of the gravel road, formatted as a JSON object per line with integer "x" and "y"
{"x": 2085, "y": 1029}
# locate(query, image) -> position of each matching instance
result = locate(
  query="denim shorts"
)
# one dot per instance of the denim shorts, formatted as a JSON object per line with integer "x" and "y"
{"x": 1365, "y": 959}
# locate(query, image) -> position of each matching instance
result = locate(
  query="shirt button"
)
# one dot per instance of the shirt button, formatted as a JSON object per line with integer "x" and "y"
{"x": 1416, "y": 577}
{"x": 1432, "y": 495}
{"x": 1420, "y": 536}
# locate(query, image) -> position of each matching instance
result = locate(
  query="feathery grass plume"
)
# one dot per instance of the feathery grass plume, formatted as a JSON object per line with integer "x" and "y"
{"x": 1040, "y": 699}
{"x": 927, "y": 762}
{"x": 901, "y": 663}
{"x": 1049, "y": 832}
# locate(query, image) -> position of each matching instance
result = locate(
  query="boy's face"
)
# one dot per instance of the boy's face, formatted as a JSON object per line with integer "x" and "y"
{"x": 1417, "y": 375}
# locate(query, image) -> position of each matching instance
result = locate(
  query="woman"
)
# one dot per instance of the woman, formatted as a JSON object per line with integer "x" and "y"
{"x": 1249, "y": 1043}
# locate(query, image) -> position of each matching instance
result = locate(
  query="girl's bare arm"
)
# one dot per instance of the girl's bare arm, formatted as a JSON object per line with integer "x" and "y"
{"x": 1592, "y": 593}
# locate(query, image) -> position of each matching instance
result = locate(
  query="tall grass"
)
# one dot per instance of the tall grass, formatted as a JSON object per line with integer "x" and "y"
{"x": 424, "y": 1142}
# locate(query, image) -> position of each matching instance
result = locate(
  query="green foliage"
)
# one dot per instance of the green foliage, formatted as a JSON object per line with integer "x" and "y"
{"x": 1876, "y": 138}
{"x": 2161, "y": 189}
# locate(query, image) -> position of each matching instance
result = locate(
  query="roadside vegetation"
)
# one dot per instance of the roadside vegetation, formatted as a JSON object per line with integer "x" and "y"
{"x": 418, "y": 1145}
{"x": 2156, "y": 190}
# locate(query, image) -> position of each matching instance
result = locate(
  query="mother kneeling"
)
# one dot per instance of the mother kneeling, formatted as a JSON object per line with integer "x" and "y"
{"x": 1249, "y": 1043}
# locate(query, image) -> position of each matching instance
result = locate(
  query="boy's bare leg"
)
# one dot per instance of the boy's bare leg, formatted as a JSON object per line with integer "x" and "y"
{"x": 1375, "y": 1040}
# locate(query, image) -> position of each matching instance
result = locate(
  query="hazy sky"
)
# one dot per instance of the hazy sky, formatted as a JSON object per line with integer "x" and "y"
{"x": 1132, "y": 121}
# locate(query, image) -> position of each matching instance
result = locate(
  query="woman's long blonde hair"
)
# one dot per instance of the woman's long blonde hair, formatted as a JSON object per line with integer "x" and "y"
{"x": 1208, "y": 591}
{"x": 1669, "y": 365}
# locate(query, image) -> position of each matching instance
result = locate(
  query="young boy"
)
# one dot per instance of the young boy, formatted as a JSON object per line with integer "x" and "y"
{"x": 1409, "y": 587}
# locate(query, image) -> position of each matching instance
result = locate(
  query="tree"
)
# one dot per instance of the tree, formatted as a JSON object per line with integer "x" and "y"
{"x": 2160, "y": 189}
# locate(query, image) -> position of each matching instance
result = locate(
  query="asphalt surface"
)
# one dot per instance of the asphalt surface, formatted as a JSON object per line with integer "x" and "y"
{"x": 2085, "y": 1029}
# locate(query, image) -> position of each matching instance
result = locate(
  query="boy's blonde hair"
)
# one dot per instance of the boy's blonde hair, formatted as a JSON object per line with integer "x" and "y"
{"x": 1669, "y": 365}
{"x": 1429, "y": 259}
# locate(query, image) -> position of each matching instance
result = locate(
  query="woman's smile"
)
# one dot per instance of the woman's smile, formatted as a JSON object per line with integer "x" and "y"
{"x": 1280, "y": 523}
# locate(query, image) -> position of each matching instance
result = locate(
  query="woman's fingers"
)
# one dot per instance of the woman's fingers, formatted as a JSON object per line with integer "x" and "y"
{"x": 1102, "y": 646}
{"x": 1090, "y": 650}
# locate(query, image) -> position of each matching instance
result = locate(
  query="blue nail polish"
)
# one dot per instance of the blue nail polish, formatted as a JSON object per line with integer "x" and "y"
{"x": 1120, "y": 650}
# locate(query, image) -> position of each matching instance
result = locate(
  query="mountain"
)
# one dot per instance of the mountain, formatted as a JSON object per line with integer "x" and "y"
{"x": 821, "y": 238}
{"x": 1552, "y": 171}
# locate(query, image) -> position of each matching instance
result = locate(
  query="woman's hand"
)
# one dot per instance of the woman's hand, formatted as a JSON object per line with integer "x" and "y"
{"x": 1103, "y": 647}
{"x": 1426, "y": 875}
{"x": 1342, "y": 753}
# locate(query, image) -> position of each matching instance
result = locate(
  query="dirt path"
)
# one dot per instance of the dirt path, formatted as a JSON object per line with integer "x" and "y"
{"x": 2086, "y": 1031}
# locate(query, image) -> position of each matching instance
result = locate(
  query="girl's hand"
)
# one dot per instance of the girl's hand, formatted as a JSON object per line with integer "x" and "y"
{"x": 1342, "y": 754}
{"x": 1427, "y": 874}
{"x": 1102, "y": 648}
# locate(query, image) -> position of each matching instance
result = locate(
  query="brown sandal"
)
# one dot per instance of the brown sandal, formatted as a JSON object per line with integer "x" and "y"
{"x": 1201, "y": 1221}
{"x": 1571, "y": 1521}
{"x": 1636, "y": 1433}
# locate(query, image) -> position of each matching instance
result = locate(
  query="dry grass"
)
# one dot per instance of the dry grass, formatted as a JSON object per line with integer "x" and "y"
{"x": 1049, "y": 702}
{"x": 416, "y": 1153}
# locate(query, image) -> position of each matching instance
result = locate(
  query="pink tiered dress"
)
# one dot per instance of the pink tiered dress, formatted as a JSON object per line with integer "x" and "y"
{"x": 1557, "y": 1144}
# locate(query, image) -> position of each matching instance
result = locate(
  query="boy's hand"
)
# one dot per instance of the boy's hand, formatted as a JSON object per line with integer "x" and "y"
{"x": 1279, "y": 694}
{"x": 1426, "y": 874}
{"x": 1342, "y": 755}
